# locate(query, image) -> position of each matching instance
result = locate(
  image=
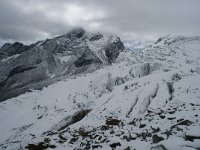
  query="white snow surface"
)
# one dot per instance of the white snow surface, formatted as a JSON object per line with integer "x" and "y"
{"x": 146, "y": 89}
{"x": 9, "y": 58}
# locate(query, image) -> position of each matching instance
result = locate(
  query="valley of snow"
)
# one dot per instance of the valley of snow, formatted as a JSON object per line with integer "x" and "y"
{"x": 152, "y": 93}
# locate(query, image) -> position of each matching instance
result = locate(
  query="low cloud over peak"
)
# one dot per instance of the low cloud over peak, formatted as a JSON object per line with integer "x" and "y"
{"x": 31, "y": 20}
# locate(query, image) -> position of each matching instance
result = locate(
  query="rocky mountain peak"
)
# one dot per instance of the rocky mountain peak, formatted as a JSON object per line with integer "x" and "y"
{"x": 45, "y": 62}
{"x": 77, "y": 32}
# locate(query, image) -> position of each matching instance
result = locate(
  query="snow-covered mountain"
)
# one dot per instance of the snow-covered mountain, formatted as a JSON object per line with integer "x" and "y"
{"x": 45, "y": 62}
{"x": 147, "y": 99}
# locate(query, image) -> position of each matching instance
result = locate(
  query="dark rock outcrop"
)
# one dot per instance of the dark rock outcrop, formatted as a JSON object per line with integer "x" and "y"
{"x": 45, "y": 62}
{"x": 9, "y": 49}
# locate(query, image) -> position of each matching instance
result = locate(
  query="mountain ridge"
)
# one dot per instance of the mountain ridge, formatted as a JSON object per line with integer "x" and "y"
{"x": 73, "y": 53}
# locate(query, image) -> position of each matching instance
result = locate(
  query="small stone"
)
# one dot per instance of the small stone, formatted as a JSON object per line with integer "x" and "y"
{"x": 40, "y": 117}
{"x": 104, "y": 127}
{"x": 52, "y": 146}
{"x": 47, "y": 140}
{"x": 111, "y": 121}
{"x": 132, "y": 123}
{"x": 62, "y": 138}
{"x": 96, "y": 146}
{"x": 142, "y": 125}
{"x": 171, "y": 118}
{"x": 114, "y": 145}
{"x": 125, "y": 137}
{"x": 82, "y": 132}
{"x": 171, "y": 112}
{"x": 73, "y": 140}
{"x": 157, "y": 138}
{"x": 128, "y": 148}
{"x": 162, "y": 116}
{"x": 112, "y": 132}
{"x": 155, "y": 130}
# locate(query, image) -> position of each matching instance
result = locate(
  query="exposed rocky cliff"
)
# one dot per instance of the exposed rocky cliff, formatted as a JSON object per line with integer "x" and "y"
{"x": 35, "y": 66}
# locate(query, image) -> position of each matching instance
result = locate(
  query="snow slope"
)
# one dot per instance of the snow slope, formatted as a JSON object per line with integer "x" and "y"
{"x": 148, "y": 99}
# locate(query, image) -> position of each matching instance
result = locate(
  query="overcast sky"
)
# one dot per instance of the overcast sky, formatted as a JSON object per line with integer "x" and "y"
{"x": 32, "y": 20}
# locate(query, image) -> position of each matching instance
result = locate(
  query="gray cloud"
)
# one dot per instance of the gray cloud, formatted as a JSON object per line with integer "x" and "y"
{"x": 31, "y": 20}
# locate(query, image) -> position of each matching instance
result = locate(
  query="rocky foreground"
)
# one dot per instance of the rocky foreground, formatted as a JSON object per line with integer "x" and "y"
{"x": 147, "y": 99}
